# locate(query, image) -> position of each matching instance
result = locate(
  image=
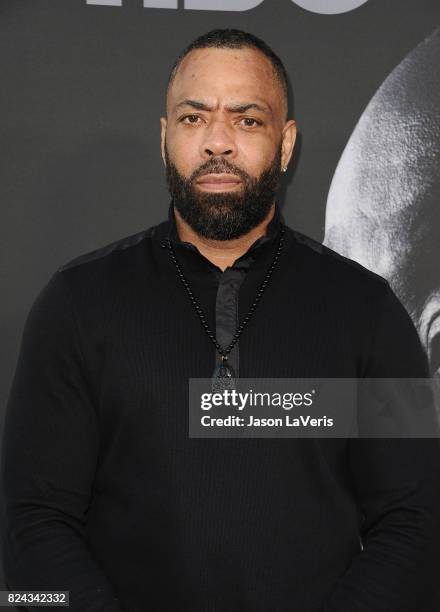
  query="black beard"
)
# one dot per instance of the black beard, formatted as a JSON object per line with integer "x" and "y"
{"x": 228, "y": 215}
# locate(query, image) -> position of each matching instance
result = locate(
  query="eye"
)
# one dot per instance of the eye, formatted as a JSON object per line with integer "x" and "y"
{"x": 250, "y": 122}
{"x": 191, "y": 119}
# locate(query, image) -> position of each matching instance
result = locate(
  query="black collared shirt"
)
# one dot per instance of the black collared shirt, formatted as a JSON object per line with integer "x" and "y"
{"x": 229, "y": 281}
{"x": 107, "y": 497}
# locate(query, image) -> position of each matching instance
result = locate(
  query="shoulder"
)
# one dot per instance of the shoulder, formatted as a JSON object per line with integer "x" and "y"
{"x": 111, "y": 269}
{"x": 339, "y": 286}
{"x": 329, "y": 266}
{"x": 123, "y": 247}
{"x": 332, "y": 259}
{"x": 368, "y": 306}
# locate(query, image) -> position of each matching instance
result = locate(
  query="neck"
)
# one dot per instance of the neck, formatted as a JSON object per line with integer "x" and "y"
{"x": 222, "y": 253}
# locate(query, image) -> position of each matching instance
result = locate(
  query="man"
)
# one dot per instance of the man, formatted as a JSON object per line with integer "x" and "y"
{"x": 106, "y": 494}
{"x": 383, "y": 206}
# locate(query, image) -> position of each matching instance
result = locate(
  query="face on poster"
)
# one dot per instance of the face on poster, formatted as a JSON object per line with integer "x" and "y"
{"x": 383, "y": 207}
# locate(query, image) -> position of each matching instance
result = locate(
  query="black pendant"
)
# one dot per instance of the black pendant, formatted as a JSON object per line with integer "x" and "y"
{"x": 223, "y": 377}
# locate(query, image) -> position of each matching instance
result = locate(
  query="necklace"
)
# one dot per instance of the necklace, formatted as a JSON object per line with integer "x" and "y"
{"x": 224, "y": 375}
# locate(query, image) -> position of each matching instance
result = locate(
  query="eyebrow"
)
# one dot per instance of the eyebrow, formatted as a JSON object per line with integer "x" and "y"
{"x": 233, "y": 108}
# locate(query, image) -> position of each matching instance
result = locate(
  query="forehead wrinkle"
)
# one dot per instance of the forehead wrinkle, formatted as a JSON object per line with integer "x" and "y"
{"x": 236, "y": 107}
{"x": 265, "y": 66}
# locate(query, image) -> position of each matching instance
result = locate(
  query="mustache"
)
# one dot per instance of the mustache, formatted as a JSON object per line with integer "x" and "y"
{"x": 219, "y": 166}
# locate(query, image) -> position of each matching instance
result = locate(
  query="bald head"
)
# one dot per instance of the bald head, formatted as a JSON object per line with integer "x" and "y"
{"x": 383, "y": 207}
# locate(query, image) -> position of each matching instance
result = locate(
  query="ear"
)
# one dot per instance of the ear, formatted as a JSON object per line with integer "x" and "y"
{"x": 163, "y": 129}
{"x": 288, "y": 142}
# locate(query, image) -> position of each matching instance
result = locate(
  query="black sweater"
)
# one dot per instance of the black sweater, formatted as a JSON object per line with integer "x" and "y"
{"x": 106, "y": 495}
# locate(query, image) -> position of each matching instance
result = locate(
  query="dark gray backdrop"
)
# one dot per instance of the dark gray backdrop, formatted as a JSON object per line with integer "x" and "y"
{"x": 82, "y": 89}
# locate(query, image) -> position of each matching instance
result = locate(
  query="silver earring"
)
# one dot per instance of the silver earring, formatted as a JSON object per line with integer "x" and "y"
{"x": 284, "y": 169}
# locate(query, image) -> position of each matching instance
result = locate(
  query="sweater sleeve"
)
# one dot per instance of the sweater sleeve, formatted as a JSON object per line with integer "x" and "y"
{"x": 397, "y": 483}
{"x": 49, "y": 456}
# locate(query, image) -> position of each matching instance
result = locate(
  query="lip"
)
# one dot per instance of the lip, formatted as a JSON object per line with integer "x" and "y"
{"x": 219, "y": 181}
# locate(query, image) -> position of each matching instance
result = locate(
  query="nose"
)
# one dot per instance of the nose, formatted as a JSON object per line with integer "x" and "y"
{"x": 218, "y": 140}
